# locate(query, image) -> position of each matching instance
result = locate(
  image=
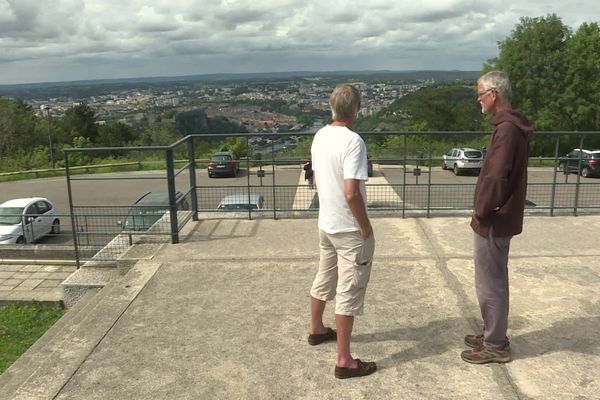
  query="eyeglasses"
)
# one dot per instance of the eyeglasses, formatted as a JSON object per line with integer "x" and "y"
{"x": 480, "y": 94}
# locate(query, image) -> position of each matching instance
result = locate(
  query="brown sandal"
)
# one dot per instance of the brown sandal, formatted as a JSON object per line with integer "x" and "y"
{"x": 362, "y": 369}
{"x": 314, "y": 340}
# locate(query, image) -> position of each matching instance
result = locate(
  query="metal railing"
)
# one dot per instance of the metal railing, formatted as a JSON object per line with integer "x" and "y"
{"x": 408, "y": 180}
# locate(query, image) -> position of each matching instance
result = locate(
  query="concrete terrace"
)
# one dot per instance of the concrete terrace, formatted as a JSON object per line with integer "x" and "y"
{"x": 224, "y": 315}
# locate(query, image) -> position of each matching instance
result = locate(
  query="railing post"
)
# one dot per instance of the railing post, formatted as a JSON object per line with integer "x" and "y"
{"x": 273, "y": 180}
{"x": 404, "y": 179}
{"x": 553, "y": 194}
{"x": 192, "y": 169}
{"x": 172, "y": 199}
{"x": 429, "y": 181}
{"x": 578, "y": 176}
{"x": 73, "y": 222}
{"x": 248, "y": 177}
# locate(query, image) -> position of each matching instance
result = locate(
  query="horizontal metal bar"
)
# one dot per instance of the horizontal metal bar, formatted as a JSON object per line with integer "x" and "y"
{"x": 119, "y": 178}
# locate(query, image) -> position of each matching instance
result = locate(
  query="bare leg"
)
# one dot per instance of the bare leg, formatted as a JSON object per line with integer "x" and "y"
{"x": 317, "y": 308}
{"x": 344, "y": 325}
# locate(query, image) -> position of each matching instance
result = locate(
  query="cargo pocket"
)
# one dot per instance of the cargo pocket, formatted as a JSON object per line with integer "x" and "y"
{"x": 362, "y": 273}
{"x": 363, "y": 263}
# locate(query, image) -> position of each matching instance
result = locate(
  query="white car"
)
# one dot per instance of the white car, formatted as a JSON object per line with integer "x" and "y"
{"x": 27, "y": 220}
{"x": 463, "y": 159}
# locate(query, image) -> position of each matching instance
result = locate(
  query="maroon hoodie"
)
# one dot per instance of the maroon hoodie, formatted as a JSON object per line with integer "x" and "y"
{"x": 502, "y": 182}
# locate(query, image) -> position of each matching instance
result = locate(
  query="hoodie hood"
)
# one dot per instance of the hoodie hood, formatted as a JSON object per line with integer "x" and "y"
{"x": 516, "y": 118}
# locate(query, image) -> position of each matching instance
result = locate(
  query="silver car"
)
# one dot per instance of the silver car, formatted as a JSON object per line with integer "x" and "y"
{"x": 27, "y": 220}
{"x": 242, "y": 202}
{"x": 462, "y": 159}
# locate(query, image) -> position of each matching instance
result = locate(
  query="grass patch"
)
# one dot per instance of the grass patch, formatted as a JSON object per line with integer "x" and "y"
{"x": 20, "y": 327}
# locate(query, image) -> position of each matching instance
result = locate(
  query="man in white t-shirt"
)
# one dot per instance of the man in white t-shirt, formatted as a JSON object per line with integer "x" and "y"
{"x": 346, "y": 241}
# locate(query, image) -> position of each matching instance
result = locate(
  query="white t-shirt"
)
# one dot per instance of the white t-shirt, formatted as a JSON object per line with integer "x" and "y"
{"x": 337, "y": 154}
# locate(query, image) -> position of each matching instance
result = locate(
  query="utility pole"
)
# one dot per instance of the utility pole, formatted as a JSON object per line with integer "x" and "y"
{"x": 47, "y": 110}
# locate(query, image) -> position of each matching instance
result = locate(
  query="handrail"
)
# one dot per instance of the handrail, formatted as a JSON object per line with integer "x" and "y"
{"x": 62, "y": 169}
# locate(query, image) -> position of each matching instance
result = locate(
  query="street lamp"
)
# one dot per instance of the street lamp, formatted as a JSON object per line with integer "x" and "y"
{"x": 47, "y": 109}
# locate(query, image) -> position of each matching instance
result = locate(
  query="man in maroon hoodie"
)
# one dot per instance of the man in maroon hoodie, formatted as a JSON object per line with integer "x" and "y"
{"x": 497, "y": 215}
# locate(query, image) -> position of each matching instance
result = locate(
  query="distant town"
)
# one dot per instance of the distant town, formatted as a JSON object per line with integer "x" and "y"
{"x": 259, "y": 105}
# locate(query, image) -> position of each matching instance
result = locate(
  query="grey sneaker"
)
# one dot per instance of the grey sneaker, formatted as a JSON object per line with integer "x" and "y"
{"x": 474, "y": 341}
{"x": 483, "y": 355}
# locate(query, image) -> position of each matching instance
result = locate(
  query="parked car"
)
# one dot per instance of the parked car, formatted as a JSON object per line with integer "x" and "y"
{"x": 242, "y": 202}
{"x": 150, "y": 208}
{"x": 463, "y": 159}
{"x": 26, "y": 220}
{"x": 223, "y": 163}
{"x": 590, "y": 162}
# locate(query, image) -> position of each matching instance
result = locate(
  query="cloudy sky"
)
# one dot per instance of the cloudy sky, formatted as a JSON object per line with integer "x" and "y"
{"x": 64, "y": 40}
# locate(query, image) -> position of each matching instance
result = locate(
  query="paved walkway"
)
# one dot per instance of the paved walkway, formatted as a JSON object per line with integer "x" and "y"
{"x": 27, "y": 281}
{"x": 224, "y": 315}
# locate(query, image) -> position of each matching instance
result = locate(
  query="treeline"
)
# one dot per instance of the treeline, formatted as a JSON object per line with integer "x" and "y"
{"x": 25, "y": 138}
{"x": 442, "y": 107}
{"x": 555, "y": 76}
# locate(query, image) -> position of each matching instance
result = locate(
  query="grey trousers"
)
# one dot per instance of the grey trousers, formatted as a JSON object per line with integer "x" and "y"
{"x": 491, "y": 285}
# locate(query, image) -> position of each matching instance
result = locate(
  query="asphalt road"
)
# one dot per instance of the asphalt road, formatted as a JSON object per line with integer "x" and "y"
{"x": 119, "y": 189}
{"x": 123, "y": 189}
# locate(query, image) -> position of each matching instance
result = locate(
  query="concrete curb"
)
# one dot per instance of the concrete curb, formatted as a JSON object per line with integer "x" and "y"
{"x": 37, "y": 374}
{"x": 15, "y": 261}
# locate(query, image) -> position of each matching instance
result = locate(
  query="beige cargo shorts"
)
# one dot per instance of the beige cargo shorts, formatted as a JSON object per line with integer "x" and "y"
{"x": 344, "y": 270}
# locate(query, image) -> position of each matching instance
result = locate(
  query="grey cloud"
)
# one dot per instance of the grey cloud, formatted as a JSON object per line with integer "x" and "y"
{"x": 193, "y": 47}
{"x": 344, "y": 16}
{"x": 155, "y": 26}
{"x": 255, "y": 35}
{"x": 233, "y": 17}
{"x": 439, "y": 15}
{"x": 18, "y": 16}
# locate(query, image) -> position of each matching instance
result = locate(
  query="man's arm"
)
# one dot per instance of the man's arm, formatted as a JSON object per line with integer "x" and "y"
{"x": 493, "y": 187}
{"x": 357, "y": 206}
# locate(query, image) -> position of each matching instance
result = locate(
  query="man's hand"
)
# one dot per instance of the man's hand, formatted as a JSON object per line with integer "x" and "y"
{"x": 366, "y": 231}
{"x": 473, "y": 215}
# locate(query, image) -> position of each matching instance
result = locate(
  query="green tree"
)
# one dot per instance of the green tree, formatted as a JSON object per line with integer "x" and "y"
{"x": 80, "y": 158}
{"x": 580, "y": 99}
{"x": 112, "y": 135}
{"x": 191, "y": 122}
{"x": 235, "y": 144}
{"x": 19, "y": 127}
{"x": 196, "y": 122}
{"x": 223, "y": 125}
{"x": 156, "y": 135}
{"x": 468, "y": 115}
{"x": 80, "y": 120}
{"x": 534, "y": 58}
{"x": 169, "y": 114}
{"x": 436, "y": 108}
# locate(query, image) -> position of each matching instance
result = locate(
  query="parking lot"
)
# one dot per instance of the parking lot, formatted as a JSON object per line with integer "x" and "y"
{"x": 283, "y": 188}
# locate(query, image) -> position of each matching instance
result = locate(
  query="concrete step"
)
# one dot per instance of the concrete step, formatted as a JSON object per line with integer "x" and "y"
{"x": 85, "y": 278}
{"x": 98, "y": 272}
{"x": 51, "y": 362}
